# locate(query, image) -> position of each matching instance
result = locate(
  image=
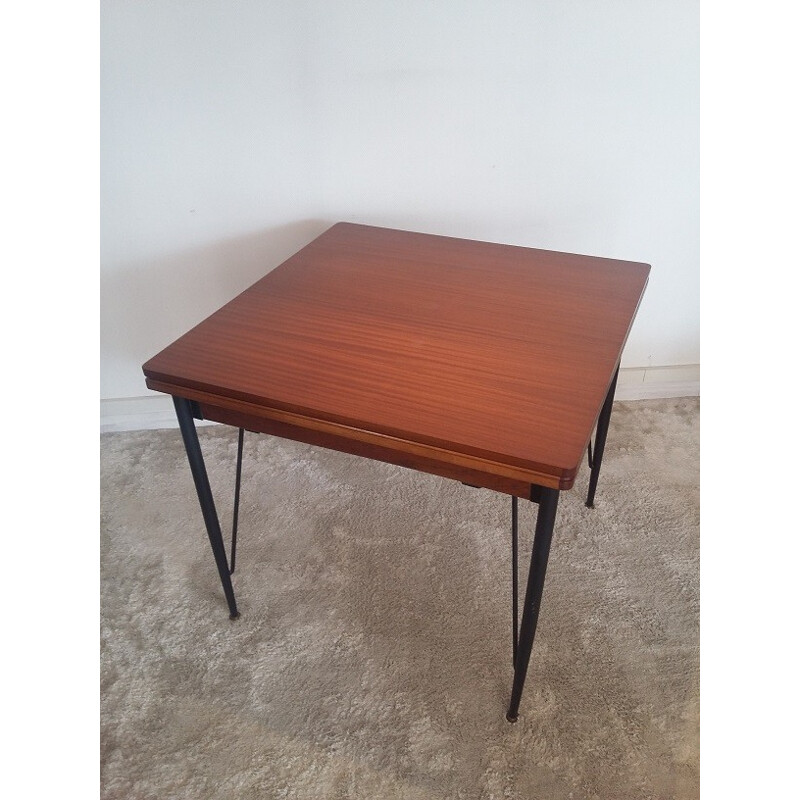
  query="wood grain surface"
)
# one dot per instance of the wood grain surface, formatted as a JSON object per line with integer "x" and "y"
{"x": 474, "y": 356}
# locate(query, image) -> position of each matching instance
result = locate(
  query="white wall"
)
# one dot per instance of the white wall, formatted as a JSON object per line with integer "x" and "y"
{"x": 234, "y": 131}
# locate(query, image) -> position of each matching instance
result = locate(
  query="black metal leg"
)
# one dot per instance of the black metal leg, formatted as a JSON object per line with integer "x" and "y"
{"x": 183, "y": 408}
{"x": 235, "y": 526}
{"x": 596, "y": 457}
{"x": 514, "y": 581}
{"x": 545, "y": 521}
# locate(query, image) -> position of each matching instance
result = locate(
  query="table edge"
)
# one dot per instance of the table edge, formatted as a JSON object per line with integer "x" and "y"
{"x": 330, "y": 430}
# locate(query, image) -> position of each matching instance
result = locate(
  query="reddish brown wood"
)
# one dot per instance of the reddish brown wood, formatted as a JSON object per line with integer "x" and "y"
{"x": 456, "y": 353}
{"x": 377, "y": 452}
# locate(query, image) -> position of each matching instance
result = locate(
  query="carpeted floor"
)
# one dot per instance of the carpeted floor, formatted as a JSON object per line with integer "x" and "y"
{"x": 373, "y": 655}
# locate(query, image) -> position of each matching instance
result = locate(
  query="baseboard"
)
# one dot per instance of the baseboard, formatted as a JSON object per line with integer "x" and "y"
{"x": 651, "y": 383}
{"x": 139, "y": 413}
{"x": 635, "y": 383}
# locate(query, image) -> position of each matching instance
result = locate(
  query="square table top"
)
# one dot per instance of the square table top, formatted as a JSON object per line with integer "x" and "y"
{"x": 492, "y": 357}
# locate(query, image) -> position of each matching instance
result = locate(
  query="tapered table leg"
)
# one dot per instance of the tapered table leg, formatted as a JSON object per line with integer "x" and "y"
{"x": 596, "y": 459}
{"x": 545, "y": 521}
{"x": 514, "y": 582}
{"x": 183, "y": 409}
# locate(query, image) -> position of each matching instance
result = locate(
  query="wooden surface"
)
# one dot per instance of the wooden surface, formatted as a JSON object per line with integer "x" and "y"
{"x": 467, "y": 355}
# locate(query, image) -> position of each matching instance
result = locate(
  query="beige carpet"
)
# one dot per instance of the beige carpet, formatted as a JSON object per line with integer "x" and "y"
{"x": 372, "y": 658}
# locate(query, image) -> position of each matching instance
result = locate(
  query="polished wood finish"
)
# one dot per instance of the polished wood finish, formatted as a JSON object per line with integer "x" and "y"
{"x": 483, "y": 362}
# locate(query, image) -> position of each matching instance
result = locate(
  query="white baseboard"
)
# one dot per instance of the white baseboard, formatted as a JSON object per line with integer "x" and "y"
{"x": 651, "y": 383}
{"x": 635, "y": 383}
{"x": 139, "y": 413}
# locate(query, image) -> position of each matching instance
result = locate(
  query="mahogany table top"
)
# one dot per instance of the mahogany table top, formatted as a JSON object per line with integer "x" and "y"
{"x": 475, "y": 360}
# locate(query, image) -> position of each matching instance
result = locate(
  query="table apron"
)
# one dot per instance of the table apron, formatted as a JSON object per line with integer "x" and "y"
{"x": 479, "y": 479}
{"x": 481, "y": 472}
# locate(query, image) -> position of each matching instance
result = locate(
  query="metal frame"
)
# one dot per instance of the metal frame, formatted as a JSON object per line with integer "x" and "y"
{"x": 523, "y": 633}
{"x": 236, "y": 493}
{"x": 514, "y": 583}
{"x": 596, "y": 459}
{"x": 187, "y": 411}
{"x": 545, "y": 521}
